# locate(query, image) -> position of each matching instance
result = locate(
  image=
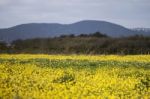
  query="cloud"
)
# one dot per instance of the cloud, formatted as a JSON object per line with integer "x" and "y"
{"x": 124, "y": 12}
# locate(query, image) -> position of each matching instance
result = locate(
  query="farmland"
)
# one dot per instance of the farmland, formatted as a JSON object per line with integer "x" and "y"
{"x": 74, "y": 76}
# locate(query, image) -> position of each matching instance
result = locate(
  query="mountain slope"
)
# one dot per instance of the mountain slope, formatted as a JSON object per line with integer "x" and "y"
{"x": 145, "y": 31}
{"x": 34, "y": 30}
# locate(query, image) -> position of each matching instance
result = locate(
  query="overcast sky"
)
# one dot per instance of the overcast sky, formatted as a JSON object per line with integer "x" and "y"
{"x": 129, "y": 13}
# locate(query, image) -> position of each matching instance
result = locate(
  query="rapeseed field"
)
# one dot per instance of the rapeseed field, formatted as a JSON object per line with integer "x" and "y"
{"x": 40, "y": 76}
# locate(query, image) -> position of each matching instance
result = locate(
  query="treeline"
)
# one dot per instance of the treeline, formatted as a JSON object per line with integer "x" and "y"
{"x": 95, "y": 43}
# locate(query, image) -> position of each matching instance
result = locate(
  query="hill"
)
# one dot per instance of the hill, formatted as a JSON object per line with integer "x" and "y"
{"x": 145, "y": 31}
{"x": 42, "y": 30}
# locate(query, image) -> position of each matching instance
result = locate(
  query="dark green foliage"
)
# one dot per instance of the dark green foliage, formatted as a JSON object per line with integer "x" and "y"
{"x": 96, "y": 34}
{"x": 3, "y": 47}
{"x": 95, "y": 43}
{"x": 67, "y": 77}
{"x": 78, "y": 64}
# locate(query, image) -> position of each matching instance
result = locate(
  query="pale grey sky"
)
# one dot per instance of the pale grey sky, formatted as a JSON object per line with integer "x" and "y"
{"x": 129, "y": 13}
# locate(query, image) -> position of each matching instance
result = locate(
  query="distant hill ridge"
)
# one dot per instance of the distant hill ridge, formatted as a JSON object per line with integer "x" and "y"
{"x": 146, "y": 31}
{"x": 41, "y": 30}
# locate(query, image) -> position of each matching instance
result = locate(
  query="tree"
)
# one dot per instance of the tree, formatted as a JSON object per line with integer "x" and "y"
{"x": 3, "y": 47}
{"x": 98, "y": 34}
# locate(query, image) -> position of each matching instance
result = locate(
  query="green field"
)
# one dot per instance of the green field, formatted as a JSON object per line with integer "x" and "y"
{"x": 74, "y": 77}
